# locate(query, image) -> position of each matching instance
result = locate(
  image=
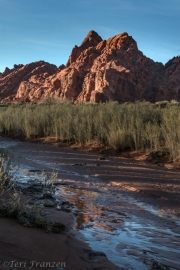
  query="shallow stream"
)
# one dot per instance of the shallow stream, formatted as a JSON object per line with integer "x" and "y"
{"x": 130, "y": 233}
{"x": 123, "y": 224}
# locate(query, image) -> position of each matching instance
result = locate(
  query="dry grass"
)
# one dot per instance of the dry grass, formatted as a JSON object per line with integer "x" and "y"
{"x": 130, "y": 126}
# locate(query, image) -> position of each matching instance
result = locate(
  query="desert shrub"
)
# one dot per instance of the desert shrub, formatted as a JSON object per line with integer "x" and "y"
{"x": 171, "y": 129}
{"x": 12, "y": 206}
{"x": 28, "y": 216}
{"x": 5, "y": 179}
{"x": 121, "y": 140}
{"x": 139, "y": 125}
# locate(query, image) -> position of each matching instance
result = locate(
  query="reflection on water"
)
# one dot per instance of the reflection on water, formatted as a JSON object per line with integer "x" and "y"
{"x": 127, "y": 230}
{"x": 130, "y": 232}
{"x": 129, "y": 243}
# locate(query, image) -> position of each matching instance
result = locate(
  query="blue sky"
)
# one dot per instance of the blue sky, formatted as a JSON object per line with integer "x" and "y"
{"x": 32, "y": 30}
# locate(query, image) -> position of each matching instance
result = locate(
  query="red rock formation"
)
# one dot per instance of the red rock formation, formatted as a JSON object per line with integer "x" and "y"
{"x": 121, "y": 73}
{"x": 91, "y": 40}
{"x": 22, "y": 81}
{"x": 169, "y": 81}
{"x": 97, "y": 70}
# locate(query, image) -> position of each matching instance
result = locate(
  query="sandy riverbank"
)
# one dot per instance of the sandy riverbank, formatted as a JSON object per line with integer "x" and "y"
{"x": 29, "y": 246}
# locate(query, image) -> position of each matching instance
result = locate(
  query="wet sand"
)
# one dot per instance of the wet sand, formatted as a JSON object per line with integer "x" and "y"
{"x": 29, "y": 246}
{"x": 128, "y": 209}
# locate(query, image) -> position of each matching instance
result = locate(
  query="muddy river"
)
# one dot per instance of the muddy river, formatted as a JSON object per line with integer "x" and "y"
{"x": 127, "y": 209}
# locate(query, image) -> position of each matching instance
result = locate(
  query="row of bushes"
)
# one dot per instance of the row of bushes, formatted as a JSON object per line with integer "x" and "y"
{"x": 137, "y": 126}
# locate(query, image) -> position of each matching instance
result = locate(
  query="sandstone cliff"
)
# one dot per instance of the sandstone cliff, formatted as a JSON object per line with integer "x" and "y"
{"x": 97, "y": 70}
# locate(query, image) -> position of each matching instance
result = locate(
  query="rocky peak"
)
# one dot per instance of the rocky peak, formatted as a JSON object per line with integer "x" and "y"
{"x": 91, "y": 40}
{"x": 122, "y": 41}
{"x": 173, "y": 61}
{"x": 61, "y": 67}
{"x": 18, "y": 66}
{"x": 6, "y": 72}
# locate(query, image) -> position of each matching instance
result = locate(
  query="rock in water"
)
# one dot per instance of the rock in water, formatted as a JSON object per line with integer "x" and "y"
{"x": 48, "y": 203}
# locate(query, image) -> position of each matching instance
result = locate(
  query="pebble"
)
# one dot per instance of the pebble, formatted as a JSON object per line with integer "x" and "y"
{"x": 48, "y": 203}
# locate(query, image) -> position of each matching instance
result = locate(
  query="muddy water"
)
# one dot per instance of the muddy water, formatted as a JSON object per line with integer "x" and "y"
{"x": 126, "y": 225}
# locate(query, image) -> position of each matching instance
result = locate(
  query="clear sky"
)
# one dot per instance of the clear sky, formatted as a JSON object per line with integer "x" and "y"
{"x": 32, "y": 30}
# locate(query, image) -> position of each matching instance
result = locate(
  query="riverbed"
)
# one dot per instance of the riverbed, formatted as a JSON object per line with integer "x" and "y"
{"x": 128, "y": 209}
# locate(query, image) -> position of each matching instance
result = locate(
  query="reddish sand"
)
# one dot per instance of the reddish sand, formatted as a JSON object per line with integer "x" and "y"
{"x": 28, "y": 246}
